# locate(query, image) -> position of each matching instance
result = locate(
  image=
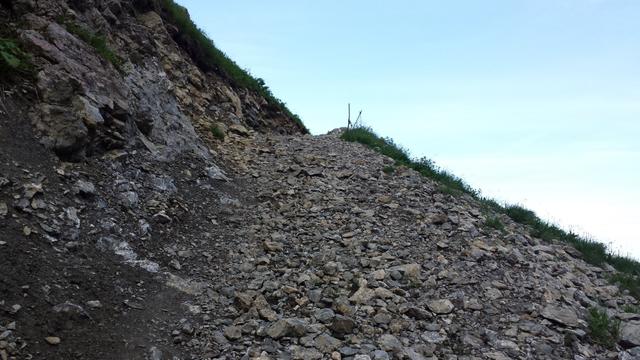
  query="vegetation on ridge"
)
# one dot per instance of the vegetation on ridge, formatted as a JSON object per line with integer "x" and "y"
{"x": 208, "y": 57}
{"x": 592, "y": 252}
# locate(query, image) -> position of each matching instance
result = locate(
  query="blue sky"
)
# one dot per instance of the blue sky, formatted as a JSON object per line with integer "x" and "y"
{"x": 535, "y": 102}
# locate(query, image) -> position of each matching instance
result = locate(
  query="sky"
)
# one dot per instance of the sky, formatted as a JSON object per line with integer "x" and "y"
{"x": 534, "y": 102}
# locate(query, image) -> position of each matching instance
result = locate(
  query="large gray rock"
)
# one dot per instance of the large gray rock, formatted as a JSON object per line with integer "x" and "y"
{"x": 630, "y": 334}
{"x": 287, "y": 327}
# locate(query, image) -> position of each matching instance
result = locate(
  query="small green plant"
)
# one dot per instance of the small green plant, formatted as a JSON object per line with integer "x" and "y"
{"x": 602, "y": 329}
{"x": 634, "y": 309}
{"x": 627, "y": 282}
{"x": 97, "y": 41}
{"x": 388, "y": 170}
{"x": 217, "y": 132}
{"x": 13, "y": 60}
{"x": 494, "y": 222}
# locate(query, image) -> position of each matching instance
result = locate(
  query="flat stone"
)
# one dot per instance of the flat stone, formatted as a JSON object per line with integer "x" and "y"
{"x": 287, "y": 327}
{"x": 388, "y": 342}
{"x": 440, "y": 307}
{"x": 562, "y": 315}
{"x": 53, "y": 340}
{"x": 324, "y": 315}
{"x": 327, "y": 343}
{"x": 342, "y": 325}
{"x": 233, "y": 332}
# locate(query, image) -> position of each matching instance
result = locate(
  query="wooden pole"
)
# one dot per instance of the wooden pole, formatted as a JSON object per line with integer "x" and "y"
{"x": 349, "y": 116}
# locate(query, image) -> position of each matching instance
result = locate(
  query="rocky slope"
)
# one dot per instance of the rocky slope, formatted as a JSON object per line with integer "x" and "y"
{"x": 127, "y": 231}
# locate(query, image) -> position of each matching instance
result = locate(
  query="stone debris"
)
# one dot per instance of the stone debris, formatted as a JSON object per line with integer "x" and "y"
{"x": 134, "y": 232}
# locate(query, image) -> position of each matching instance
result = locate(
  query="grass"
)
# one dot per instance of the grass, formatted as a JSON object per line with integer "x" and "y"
{"x": 424, "y": 166}
{"x": 97, "y": 41}
{"x": 494, "y": 223}
{"x": 388, "y": 170}
{"x": 628, "y": 282}
{"x": 209, "y": 58}
{"x": 634, "y": 309}
{"x": 217, "y": 132}
{"x": 602, "y": 329}
{"x": 13, "y": 60}
{"x": 592, "y": 251}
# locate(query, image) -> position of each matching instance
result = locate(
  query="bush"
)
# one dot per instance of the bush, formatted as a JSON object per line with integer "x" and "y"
{"x": 209, "y": 58}
{"x": 602, "y": 329}
{"x": 13, "y": 61}
{"x": 217, "y": 132}
{"x": 494, "y": 223}
{"x": 388, "y": 170}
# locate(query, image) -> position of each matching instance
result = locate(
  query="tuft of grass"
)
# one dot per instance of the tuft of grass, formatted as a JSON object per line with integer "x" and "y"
{"x": 627, "y": 282}
{"x": 209, "y": 58}
{"x": 217, "y": 132}
{"x": 97, "y": 41}
{"x": 634, "y": 309}
{"x": 13, "y": 60}
{"x": 602, "y": 329}
{"x": 388, "y": 170}
{"x": 494, "y": 223}
{"x": 592, "y": 251}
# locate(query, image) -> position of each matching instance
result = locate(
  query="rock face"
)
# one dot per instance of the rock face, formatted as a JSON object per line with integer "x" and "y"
{"x": 89, "y": 105}
{"x": 166, "y": 243}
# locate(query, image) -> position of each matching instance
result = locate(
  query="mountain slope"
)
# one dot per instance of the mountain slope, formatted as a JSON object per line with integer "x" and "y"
{"x": 129, "y": 229}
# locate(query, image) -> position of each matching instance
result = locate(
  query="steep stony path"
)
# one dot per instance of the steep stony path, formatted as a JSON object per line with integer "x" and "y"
{"x": 334, "y": 258}
{"x": 305, "y": 249}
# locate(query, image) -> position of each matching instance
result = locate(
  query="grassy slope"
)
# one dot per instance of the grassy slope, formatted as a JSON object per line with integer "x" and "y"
{"x": 208, "y": 57}
{"x": 593, "y": 252}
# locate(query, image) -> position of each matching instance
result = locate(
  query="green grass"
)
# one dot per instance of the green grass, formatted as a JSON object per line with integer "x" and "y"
{"x": 209, "y": 58}
{"x": 424, "y": 166}
{"x": 13, "y": 60}
{"x": 634, "y": 309}
{"x": 592, "y": 251}
{"x": 388, "y": 170}
{"x": 602, "y": 329}
{"x": 97, "y": 41}
{"x": 217, "y": 132}
{"x": 628, "y": 282}
{"x": 494, "y": 223}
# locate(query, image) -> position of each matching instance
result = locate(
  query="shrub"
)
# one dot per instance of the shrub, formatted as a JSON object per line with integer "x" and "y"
{"x": 494, "y": 223}
{"x": 388, "y": 170}
{"x": 13, "y": 61}
{"x": 217, "y": 132}
{"x": 602, "y": 329}
{"x": 209, "y": 58}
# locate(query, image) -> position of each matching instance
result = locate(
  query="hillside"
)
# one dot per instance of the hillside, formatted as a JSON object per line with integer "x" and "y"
{"x": 158, "y": 202}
